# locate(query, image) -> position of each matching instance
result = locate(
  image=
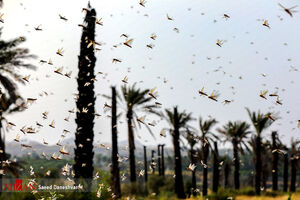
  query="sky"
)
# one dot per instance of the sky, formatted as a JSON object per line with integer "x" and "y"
{"x": 251, "y": 59}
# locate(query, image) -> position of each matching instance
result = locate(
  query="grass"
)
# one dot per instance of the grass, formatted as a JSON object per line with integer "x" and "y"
{"x": 283, "y": 197}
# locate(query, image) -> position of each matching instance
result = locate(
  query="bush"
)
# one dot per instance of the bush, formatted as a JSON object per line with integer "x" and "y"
{"x": 222, "y": 194}
{"x": 249, "y": 191}
{"x": 159, "y": 184}
{"x": 139, "y": 189}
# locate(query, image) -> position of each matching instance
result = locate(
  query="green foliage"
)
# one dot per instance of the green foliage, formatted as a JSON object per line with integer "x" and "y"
{"x": 249, "y": 191}
{"x": 222, "y": 194}
{"x": 11, "y": 60}
{"x": 158, "y": 184}
{"x": 139, "y": 189}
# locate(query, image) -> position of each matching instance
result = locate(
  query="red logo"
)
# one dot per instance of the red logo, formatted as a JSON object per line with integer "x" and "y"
{"x": 19, "y": 186}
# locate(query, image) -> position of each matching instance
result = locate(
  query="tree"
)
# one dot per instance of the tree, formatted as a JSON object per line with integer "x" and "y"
{"x": 11, "y": 60}
{"x": 266, "y": 164}
{"x": 260, "y": 123}
{"x": 206, "y": 138}
{"x": 159, "y": 159}
{"x": 115, "y": 170}
{"x": 135, "y": 100}
{"x": 178, "y": 122}
{"x": 192, "y": 140}
{"x": 145, "y": 165}
{"x": 215, "y": 168}
{"x": 152, "y": 161}
{"x": 162, "y": 160}
{"x": 83, "y": 166}
{"x": 226, "y": 172}
{"x": 294, "y": 159}
{"x": 285, "y": 171}
{"x": 275, "y": 147}
{"x": 236, "y": 132}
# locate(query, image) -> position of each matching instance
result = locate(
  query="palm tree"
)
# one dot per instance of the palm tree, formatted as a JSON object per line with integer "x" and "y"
{"x": 178, "y": 122}
{"x": 206, "y": 138}
{"x": 294, "y": 159}
{"x": 145, "y": 165}
{"x": 83, "y": 165}
{"x": 215, "y": 168}
{"x": 266, "y": 165}
{"x": 275, "y": 147}
{"x": 192, "y": 140}
{"x": 11, "y": 60}
{"x": 162, "y": 160}
{"x": 260, "y": 123}
{"x": 115, "y": 170}
{"x": 159, "y": 159}
{"x": 236, "y": 132}
{"x": 285, "y": 170}
{"x": 136, "y": 100}
{"x": 226, "y": 162}
{"x": 152, "y": 162}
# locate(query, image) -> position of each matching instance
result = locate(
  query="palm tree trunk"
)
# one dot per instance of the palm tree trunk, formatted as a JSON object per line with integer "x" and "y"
{"x": 162, "y": 160}
{"x": 258, "y": 165}
{"x": 193, "y": 161}
{"x": 216, "y": 168}
{"x": 115, "y": 172}
{"x": 159, "y": 160}
{"x": 177, "y": 158}
{"x": 293, "y": 173}
{"x": 145, "y": 165}
{"x": 84, "y": 154}
{"x": 236, "y": 164}
{"x": 226, "y": 175}
{"x": 131, "y": 147}
{"x": 275, "y": 163}
{"x": 205, "y": 149}
{"x": 153, "y": 161}
{"x": 285, "y": 172}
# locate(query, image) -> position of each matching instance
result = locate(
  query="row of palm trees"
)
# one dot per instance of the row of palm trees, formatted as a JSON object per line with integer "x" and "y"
{"x": 238, "y": 133}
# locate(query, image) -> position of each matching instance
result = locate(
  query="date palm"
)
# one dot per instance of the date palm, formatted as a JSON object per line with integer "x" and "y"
{"x": 207, "y": 138}
{"x": 294, "y": 158}
{"x": 236, "y": 132}
{"x": 115, "y": 170}
{"x": 11, "y": 60}
{"x": 260, "y": 123}
{"x": 192, "y": 141}
{"x": 136, "y": 100}
{"x": 276, "y": 146}
{"x": 178, "y": 122}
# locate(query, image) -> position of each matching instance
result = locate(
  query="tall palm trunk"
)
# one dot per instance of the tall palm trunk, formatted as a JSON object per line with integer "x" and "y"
{"x": 236, "y": 164}
{"x": 153, "y": 161}
{"x": 115, "y": 172}
{"x": 83, "y": 165}
{"x": 216, "y": 168}
{"x": 131, "y": 147}
{"x": 145, "y": 164}
{"x": 293, "y": 173}
{"x": 193, "y": 161}
{"x": 159, "y": 160}
{"x": 275, "y": 163}
{"x": 177, "y": 158}
{"x": 226, "y": 175}
{"x": 258, "y": 165}
{"x": 205, "y": 149}
{"x": 162, "y": 160}
{"x": 285, "y": 172}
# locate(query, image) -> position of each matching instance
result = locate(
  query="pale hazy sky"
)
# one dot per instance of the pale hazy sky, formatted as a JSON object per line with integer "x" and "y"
{"x": 181, "y": 58}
